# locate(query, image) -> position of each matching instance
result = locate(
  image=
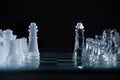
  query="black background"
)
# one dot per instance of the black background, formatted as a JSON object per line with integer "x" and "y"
{"x": 56, "y": 21}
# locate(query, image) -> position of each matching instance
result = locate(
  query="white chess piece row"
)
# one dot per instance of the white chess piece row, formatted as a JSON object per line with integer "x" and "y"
{"x": 14, "y": 53}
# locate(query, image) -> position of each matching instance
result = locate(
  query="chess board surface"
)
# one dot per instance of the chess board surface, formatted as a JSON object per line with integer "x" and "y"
{"x": 56, "y": 66}
{"x": 56, "y": 60}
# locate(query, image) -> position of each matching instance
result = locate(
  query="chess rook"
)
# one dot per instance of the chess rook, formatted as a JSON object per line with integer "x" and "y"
{"x": 7, "y": 37}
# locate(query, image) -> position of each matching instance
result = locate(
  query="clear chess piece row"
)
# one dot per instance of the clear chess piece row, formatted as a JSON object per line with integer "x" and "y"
{"x": 16, "y": 53}
{"x": 103, "y": 51}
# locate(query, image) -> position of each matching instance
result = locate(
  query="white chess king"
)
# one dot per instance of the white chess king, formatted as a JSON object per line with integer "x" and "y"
{"x": 33, "y": 44}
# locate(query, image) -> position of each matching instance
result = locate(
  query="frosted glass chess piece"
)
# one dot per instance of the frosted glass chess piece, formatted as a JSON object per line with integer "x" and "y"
{"x": 79, "y": 45}
{"x": 7, "y": 37}
{"x": 33, "y": 44}
{"x": 14, "y": 60}
{"x": 20, "y": 50}
{"x": 2, "y": 56}
{"x": 24, "y": 45}
{"x": 33, "y": 51}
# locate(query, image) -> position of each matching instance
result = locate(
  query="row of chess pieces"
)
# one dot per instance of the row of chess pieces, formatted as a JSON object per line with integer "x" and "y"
{"x": 15, "y": 53}
{"x": 101, "y": 52}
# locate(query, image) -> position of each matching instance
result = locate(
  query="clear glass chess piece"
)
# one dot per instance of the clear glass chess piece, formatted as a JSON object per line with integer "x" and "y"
{"x": 79, "y": 45}
{"x": 102, "y": 51}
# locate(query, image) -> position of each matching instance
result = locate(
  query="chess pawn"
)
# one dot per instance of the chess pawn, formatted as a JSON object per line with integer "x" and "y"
{"x": 20, "y": 50}
{"x": 24, "y": 47}
{"x": 14, "y": 59}
{"x": 33, "y": 44}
